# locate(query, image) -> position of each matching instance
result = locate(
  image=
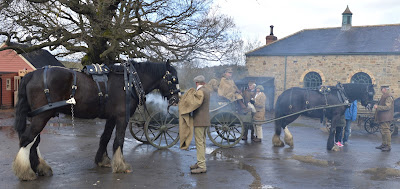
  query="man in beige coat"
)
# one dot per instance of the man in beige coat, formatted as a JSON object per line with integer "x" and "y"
{"x": 384, "y": 117}
{"x": 259, "y": 115}
{"x": 228, "y": 89}
{"x": 196, "y": 101}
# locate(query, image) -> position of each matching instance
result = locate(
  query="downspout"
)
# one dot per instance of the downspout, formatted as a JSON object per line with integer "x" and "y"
{"x": 284, "y": 81}
{"x": 1, "y": 92}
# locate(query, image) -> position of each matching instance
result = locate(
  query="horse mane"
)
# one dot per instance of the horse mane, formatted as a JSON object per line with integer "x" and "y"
{"x": 152, "y": 68}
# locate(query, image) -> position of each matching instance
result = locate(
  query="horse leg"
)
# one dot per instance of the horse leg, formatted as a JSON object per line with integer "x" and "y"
{"x": 43, "y": 169}
{"x": 28, "y": 160}
{"x": 276, "y": 141}
{"x": 102, "y": 158}
{"x": 331, "y": 139}
{"x": 288, "y": 137}
{"x": 118, "y": 163}
{"x": 282, "y": 124}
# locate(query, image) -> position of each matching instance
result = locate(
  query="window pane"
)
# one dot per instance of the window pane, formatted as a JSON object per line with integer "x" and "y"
{"x": 312, "y": 80}
{"x": 361, "y": 77}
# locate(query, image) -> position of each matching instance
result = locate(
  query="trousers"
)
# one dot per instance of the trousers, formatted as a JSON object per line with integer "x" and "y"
{"x": 385, "y": 131}
{"x": 200, "y": 140}
{"x": 258, "y": 131}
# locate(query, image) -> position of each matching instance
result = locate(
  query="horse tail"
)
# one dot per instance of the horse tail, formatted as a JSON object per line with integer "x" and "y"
{"x": 22, "y": 107}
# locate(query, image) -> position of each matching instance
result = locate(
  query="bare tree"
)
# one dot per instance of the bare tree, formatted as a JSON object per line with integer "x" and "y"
{"x": 108, "y": 30}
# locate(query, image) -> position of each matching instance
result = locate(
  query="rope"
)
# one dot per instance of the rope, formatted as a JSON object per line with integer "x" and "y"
{"x": 302, "y": 111}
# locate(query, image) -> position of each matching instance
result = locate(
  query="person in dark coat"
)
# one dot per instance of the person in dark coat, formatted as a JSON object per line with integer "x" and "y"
{"x": 248, "y": 96}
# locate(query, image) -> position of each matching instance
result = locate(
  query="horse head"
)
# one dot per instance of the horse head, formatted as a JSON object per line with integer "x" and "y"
{"x": 169, "y": 85}
{"x": 362, "y": 92}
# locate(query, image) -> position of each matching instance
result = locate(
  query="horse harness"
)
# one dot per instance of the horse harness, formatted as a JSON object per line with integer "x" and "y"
{"x": 99, "y": 75}
{"x": 131, "y": 79}
{"x": 52, "y": 105}
{"x": 132, "y": 86}
{"x": 324, "y": 90}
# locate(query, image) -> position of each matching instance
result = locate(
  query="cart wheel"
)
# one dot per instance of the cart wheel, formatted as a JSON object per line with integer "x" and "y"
{"x": 392, "y": 128}
{"x": 162, "y": 130}
{"x": 370, "y": 126}
{"x": 226, "y": 129}
{"x": 137, "y": 131}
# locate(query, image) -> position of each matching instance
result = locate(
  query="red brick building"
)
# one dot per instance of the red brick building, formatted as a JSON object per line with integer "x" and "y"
{"x": 13, "y": 66}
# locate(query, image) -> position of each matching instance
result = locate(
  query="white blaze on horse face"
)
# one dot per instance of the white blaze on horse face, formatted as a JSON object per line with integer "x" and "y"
{"x": 177, "y": 87}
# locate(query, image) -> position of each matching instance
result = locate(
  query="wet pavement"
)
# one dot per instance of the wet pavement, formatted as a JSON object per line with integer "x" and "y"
{"x": 70, "y": 152}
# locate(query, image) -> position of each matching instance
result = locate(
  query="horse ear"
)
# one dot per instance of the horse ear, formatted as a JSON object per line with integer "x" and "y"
{"x": 168, "y": 64}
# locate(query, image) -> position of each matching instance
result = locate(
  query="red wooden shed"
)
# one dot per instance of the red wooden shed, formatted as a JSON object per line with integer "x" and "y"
{"x": 14, "y": 66}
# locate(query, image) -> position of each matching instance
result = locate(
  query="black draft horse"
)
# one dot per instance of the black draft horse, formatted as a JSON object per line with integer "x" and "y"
{"x": 297, "y": 99}
{"x": 29, "y": 163}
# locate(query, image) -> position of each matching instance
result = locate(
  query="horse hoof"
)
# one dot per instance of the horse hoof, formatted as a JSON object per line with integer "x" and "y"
{"x": 46, "y": 173}
{"x": 281, "y": 144}
{"x": 335, "y": 148}
{"x": 27, "y": 176}
{"x": 105, "y": 163}
{"x": 276, "y": 141}
{"x": 43, "y": 169}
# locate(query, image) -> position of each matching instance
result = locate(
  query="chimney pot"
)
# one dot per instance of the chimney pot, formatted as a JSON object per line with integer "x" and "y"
{"x": 272, "y": 30}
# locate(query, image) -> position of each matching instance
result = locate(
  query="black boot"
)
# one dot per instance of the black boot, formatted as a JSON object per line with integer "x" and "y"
{"x": 386, "y": 148}
{"x": 380, "y": 147}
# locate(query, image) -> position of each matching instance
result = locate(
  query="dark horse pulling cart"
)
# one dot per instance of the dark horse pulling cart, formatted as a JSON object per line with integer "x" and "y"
{"x": 46, "y": 92}
{"x": 302, "y": 100}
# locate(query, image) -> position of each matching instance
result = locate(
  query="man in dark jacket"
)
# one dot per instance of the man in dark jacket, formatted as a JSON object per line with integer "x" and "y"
{"x": 384, "y": 117}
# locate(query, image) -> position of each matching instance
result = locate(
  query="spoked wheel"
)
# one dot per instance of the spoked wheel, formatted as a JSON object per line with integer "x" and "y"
{"x": 137, "y": 131}
{"x": 392, "y": 128}
{"x": 370, "y": 126}
{"x": 162, "y": 130}
{"x": 226, "y": 129}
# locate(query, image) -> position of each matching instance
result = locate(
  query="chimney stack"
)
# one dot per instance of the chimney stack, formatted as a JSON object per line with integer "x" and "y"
{"x": 271, "y": 38}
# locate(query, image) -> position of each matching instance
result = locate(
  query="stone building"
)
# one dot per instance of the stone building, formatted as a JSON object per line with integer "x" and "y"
{"x": 325, "y": 56}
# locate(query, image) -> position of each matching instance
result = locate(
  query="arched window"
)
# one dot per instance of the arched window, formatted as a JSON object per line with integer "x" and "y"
{"x": 361, "y": 77}
{"x": 312, "y": 80}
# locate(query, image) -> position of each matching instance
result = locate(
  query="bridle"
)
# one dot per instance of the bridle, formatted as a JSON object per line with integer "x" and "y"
{"x": 173, "y": 86}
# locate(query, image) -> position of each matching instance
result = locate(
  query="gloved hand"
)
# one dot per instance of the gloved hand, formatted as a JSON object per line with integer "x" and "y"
{"x": 252, "y": 101}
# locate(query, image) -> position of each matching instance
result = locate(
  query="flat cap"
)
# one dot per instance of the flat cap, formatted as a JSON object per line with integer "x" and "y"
{"x": 252, "y": 82}
{"x": 384, "y": 86}
{"x": 199, "y": 79}
{"x": 260, "y": 87}
{"x": 228, "y": 70}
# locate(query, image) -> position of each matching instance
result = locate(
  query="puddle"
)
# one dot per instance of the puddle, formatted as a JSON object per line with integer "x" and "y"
{"x": 382, "y": 173}
{"x": 311, "y": 160}
{"x": 218, "y": 154}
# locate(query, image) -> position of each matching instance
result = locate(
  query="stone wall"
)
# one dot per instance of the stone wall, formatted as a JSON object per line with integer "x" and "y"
{"x": 383, "y": 69}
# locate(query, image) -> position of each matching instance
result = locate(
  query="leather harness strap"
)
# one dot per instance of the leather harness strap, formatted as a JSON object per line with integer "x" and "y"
{"x": 46, "y": 89}
{"x": 131, "y": 79}
{"x": 53, "y": 105}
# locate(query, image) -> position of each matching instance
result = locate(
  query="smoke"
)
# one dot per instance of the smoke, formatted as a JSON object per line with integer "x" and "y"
{"x": 155, "y": 102}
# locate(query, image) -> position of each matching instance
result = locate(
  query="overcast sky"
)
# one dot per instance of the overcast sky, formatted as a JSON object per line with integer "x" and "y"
{"x": 253, "y": 17}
